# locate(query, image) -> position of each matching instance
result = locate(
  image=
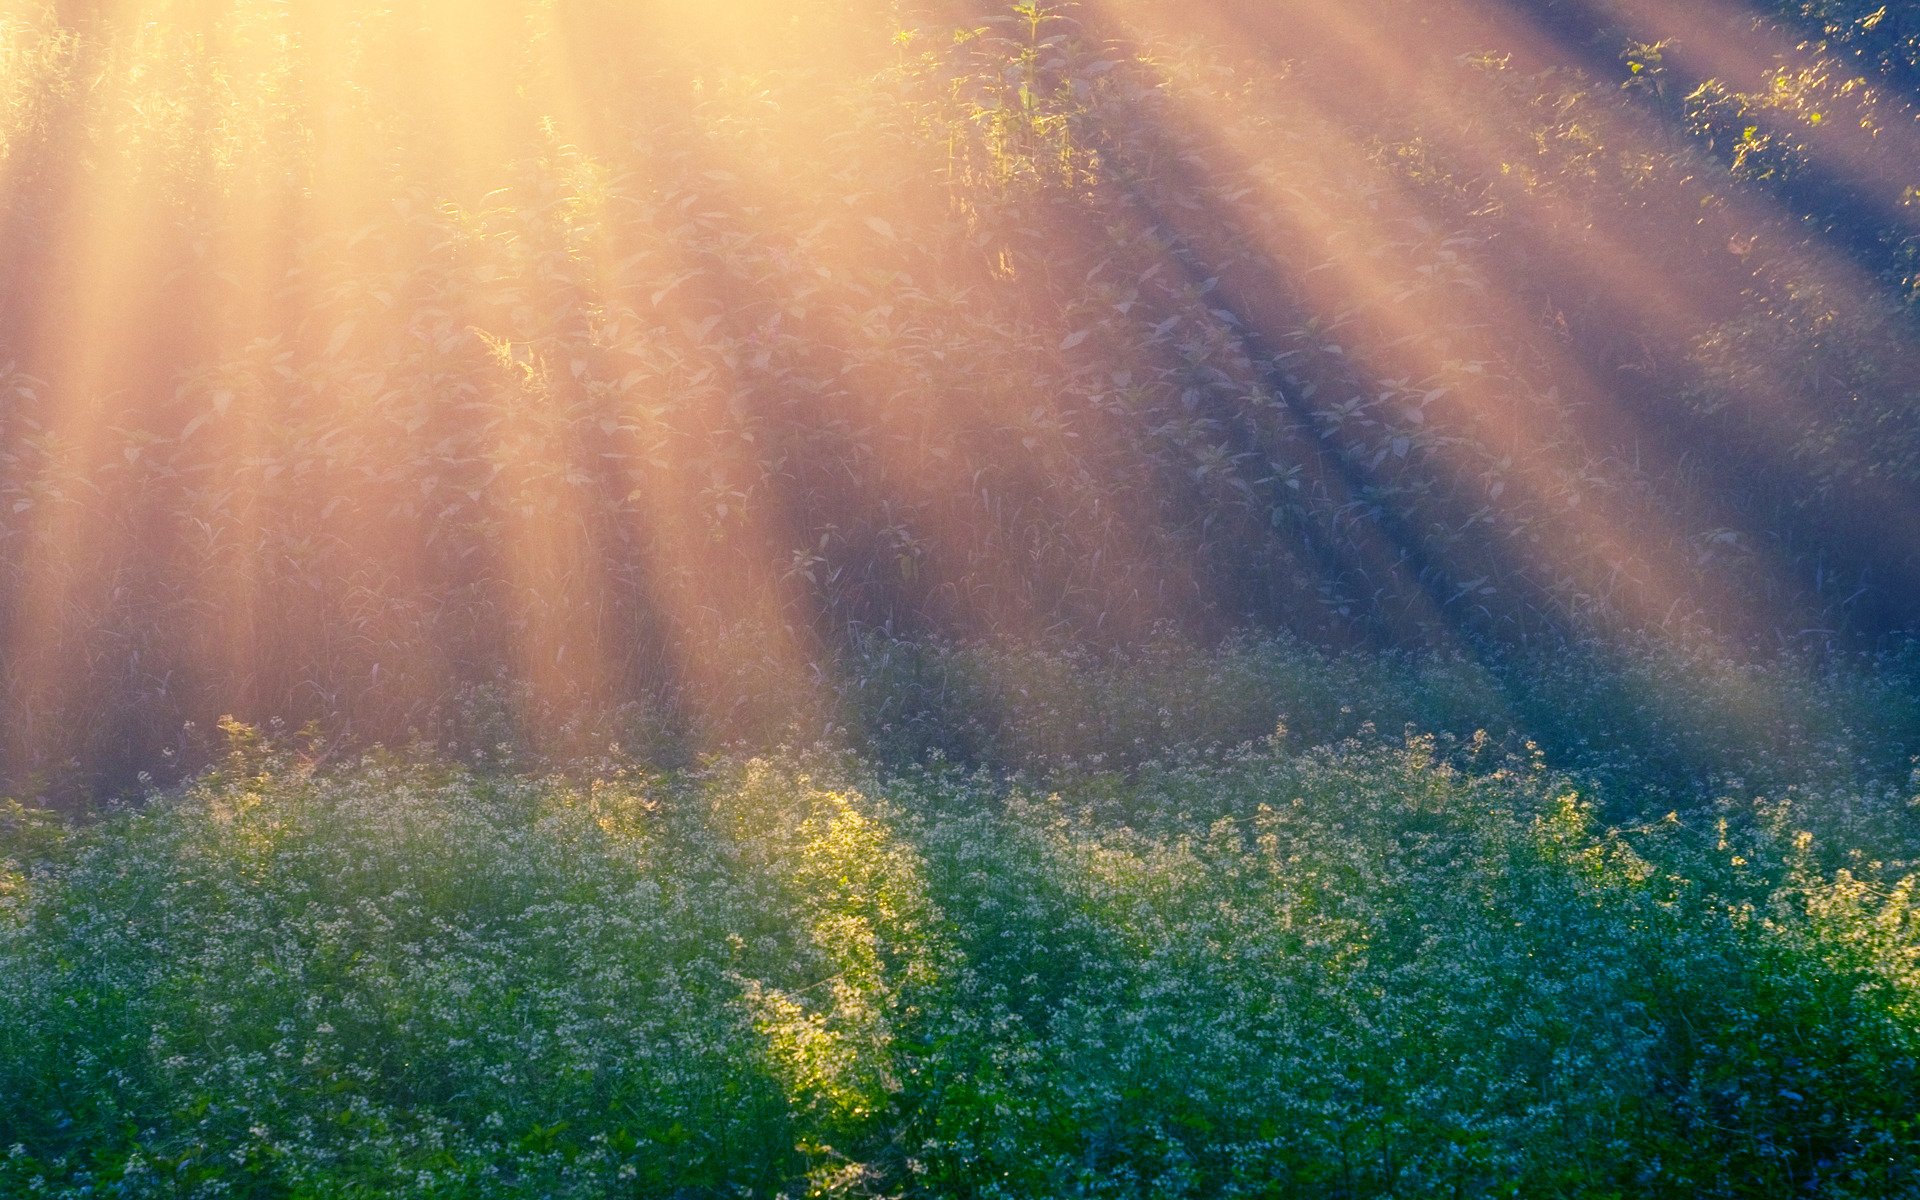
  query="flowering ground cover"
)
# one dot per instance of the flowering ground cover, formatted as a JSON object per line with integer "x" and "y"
{"x": 1380, "y": 967}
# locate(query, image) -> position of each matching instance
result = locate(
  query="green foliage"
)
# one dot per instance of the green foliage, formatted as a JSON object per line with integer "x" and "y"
{"x": 1356, "y": 971}
{"x": 998, "y": 363}
{"x": 1884, "y": 38}
{"x": 1012, "y": 100}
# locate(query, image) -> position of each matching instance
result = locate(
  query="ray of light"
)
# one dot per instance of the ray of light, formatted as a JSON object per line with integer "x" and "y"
{"x": 1874, "y": 149}
{"x": 1628, "y": 267}
{"x": 1590, "y": 540}
{"x": 531, "y": 258}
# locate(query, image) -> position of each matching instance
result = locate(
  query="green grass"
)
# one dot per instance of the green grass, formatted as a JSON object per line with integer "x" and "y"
{"x": 1383, "y": 967}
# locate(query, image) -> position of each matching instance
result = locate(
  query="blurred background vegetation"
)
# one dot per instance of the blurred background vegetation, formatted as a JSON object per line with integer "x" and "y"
{"x": 356, "y": 357}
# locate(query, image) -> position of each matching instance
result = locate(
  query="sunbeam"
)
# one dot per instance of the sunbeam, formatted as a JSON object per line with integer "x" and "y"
{"x": 605, "y": 356}
{"x": 931, "y": 598}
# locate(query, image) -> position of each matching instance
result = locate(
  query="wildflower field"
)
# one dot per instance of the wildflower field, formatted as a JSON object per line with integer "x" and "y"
{"x": 691, "y": 599}
{"x": 1408, "y": 965}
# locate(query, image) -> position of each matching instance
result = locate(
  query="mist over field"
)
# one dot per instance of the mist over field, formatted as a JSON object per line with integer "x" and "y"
{"x": 1111, "y": 598}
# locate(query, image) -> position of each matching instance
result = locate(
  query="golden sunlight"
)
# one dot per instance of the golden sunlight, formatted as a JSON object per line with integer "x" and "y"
{"x": 634, "y": 356}
{"x": 959, "y": 598}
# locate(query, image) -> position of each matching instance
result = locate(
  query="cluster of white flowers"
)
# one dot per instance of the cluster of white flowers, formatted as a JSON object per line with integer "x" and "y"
{"x": 1357, "y": 971}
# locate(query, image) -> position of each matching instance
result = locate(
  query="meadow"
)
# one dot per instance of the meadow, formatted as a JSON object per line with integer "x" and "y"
{"x": 1105, "y": 961}
{"x": 950, "y": 598}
